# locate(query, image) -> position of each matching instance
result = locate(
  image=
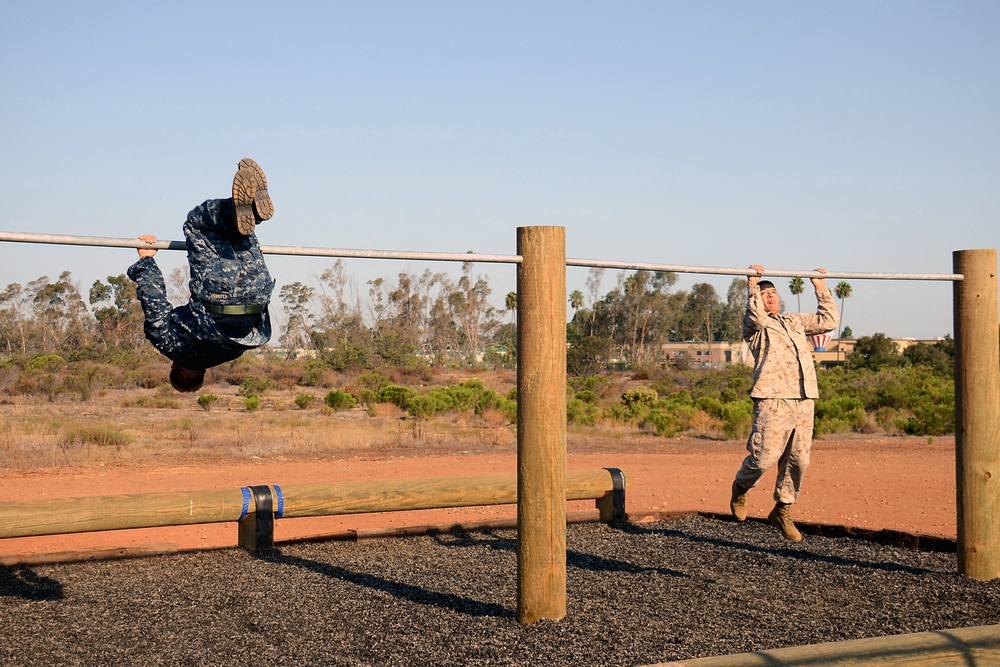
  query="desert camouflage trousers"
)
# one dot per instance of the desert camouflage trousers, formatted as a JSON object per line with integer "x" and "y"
{"x": 782, "y": 433}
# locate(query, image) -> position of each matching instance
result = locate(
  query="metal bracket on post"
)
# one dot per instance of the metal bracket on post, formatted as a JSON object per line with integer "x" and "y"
{"x": 612, "y": 505}
{"x": 256, "y": 531}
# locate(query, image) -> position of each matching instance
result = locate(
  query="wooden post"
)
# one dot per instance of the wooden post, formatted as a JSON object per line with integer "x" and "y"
{"x": 541, "y": 423}
{"x": 977, "y": 414}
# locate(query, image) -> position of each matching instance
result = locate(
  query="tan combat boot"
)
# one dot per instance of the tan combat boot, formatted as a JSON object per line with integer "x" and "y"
{"x": 250, "y": 197}
{"x": 738, "y": 503}
{"x": 781, "y": 517}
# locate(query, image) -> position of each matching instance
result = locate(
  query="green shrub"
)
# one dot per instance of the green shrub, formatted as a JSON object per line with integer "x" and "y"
{"x": 206, "y": 401}
{"x": 303, "y": 401}
{"x": 339, "y": 400}
{"x": 373, "y": 381}
{"x": 581, "y": 412}
{"x": 737, "y": 418}
{"x": 710, "y": 405}
{"x": 587, "y": 396}
{"x": 251, "y": 403}
{"x": 840, "y": 414}
{"x": 508, "y": 408}
{"x": 929, "y": 419}
{"x": 254, "y": 385}
{"x": 395, "y": 394}
{"x": 425, "y": 406}
{"x": 47, "y": 363}
{"x": 616, "y": 413}
{"x": 312, "y": 373}
{"x": 639, "y": 399}
{"x": 667, "y": 424}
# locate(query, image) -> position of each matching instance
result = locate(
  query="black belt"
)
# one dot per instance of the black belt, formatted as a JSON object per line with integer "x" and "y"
{"x": 237, "y": 309}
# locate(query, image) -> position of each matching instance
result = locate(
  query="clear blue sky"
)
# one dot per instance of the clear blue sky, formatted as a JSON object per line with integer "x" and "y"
{"x": 858, "y": 136}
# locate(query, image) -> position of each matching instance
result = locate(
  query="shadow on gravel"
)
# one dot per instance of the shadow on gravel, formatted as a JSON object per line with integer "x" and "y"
{"x": 799, "y": 553}
{"x": 577, "y": 559}
{"x": 23, "y": 582}
{"x": 397, "y": 589}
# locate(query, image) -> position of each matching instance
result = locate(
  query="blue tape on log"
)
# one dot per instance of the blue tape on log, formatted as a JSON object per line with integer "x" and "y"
{"x": 246, "y": 503}
{"x": 281, "y": 501}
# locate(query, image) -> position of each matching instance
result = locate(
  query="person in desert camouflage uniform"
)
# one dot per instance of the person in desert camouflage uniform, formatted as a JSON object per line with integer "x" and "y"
{"x": 230, "y": 285}
{"x": 784, "y": 393}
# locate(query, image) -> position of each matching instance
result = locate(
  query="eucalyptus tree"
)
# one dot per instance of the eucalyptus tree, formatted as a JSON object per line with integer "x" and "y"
{"x": 295, "y": 300}
{"x": 117, "y": 311}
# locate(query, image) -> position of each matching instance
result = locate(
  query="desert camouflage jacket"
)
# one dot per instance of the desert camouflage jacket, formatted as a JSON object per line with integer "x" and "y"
{"x": 783, "y": 365}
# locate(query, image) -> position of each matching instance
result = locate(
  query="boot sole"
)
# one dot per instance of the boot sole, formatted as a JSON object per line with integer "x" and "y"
{"x": 261, "y": 199}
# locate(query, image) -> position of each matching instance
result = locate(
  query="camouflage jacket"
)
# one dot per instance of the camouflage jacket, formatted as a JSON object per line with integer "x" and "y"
{"x": 783, "y": 365}
{"x": 226, "y": 268}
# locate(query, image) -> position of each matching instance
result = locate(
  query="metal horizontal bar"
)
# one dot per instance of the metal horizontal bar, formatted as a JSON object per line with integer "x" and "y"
{"x": 731, "y": 271}
{"x": 104, "y": 241}
{"x": 56, "y": 239}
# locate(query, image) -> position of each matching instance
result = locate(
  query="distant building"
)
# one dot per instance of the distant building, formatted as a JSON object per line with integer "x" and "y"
{"x": 705, "y": 355}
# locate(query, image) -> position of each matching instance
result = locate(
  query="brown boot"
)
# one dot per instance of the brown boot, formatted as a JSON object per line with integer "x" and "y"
{"x": 738, "y": 503}
{"x": 250, "y": 197}
{"x": 781, "y": 517}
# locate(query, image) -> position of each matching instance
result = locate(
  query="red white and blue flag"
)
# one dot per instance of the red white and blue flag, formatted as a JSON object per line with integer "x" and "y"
{"x": 820, "y": 341}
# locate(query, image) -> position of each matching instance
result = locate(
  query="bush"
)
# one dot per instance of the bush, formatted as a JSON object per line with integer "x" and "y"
{"x": 339, "y": 400}
{"x": 47, "y": 363}
{"x": 395, "y": 394}
{"x": 639, "y": 399}
{"x": 303, "y": 401}
{"x": 251, "y": 403}
{"x": 581, "y": 412}
{"x": 667, "y": 423}
{"x": 254, "y": 385}
{"x": 205, "y": 401}
{"x": 737, "y": 418}
{"x": 425, "y": 406}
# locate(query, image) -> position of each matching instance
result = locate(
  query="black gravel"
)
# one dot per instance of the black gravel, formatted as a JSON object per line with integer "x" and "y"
{"x": 637, "y": 594}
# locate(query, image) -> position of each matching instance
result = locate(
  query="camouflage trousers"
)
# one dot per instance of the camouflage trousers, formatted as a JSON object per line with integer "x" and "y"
{"x": 782, "y": 433}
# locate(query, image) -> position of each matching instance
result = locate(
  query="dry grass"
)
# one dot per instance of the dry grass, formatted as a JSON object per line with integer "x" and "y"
{"x": 152, "y": 426}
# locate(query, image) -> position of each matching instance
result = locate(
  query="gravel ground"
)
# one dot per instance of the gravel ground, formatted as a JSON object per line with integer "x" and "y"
{"x": 637, "y": 594}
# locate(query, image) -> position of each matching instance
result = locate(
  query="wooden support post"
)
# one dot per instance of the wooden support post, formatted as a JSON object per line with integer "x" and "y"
{"x": 541, "y": 423}
{"x": 977, "y": 414}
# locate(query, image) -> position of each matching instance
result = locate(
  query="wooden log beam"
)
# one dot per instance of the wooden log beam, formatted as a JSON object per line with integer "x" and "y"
{"x": 147, "y": 510}
{"x": 941, "y": 648}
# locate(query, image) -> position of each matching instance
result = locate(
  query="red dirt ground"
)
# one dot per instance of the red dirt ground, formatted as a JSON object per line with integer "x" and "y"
{"x": 900, "y": 483}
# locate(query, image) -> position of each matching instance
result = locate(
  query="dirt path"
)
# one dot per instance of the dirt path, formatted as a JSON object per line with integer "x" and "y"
{"x": 900, "y": 483}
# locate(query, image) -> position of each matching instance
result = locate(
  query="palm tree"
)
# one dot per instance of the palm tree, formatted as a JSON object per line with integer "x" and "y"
{"x": 796, "y": 286}
{"x": 576, "y": 300}
{"x": 510, "y": 304}
{"x": 843, "y": 291}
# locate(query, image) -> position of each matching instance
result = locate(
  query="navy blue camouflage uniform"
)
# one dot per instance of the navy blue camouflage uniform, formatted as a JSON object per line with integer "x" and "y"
{"x": 226, "y": 268}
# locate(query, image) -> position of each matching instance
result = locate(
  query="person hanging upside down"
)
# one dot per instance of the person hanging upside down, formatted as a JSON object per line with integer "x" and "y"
{"x": 230, "y": 285}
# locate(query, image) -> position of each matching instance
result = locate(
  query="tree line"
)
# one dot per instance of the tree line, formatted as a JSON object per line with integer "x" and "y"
{"x": 426, "y": 317}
